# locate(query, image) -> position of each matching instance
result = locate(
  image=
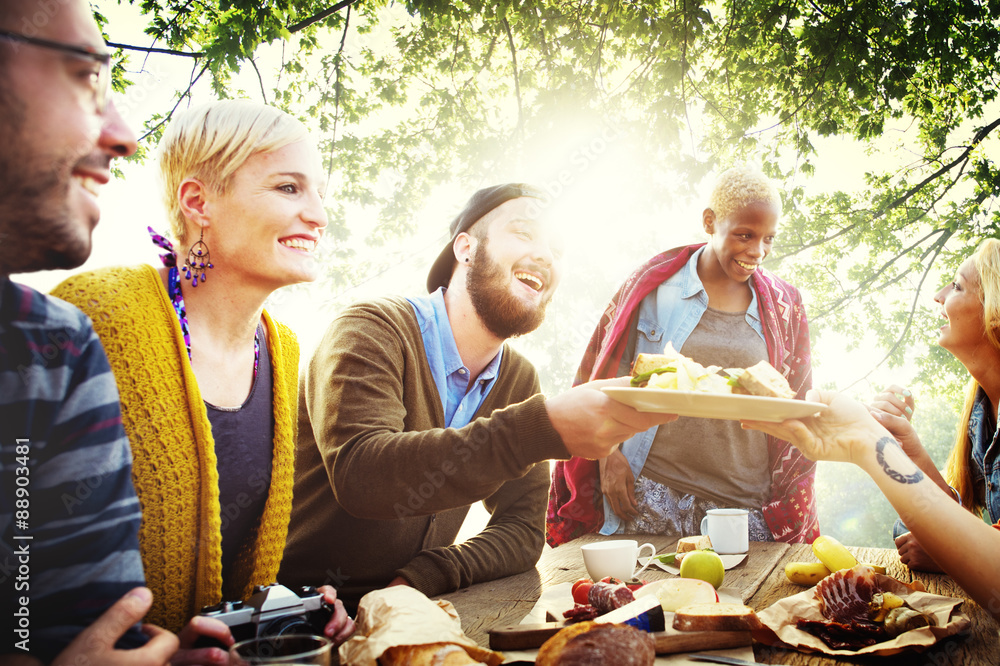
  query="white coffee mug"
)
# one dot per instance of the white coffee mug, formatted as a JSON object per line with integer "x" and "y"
{"x": 728, "y": 529}
{"x": 615, "y": 558}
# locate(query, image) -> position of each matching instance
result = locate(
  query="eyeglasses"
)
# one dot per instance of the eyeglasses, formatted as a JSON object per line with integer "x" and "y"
{"x": 102, "y": 84}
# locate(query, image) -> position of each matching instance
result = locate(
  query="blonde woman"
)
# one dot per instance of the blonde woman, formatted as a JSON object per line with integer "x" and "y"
{"x": 970, "y": 305}
{"x": 207, "y": 379}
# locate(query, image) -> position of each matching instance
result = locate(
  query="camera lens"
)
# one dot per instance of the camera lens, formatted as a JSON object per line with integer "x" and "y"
{"x": 283, "y": 626}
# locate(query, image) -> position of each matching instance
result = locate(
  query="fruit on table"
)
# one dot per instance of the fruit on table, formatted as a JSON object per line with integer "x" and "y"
{"x": 806, "y": 573}
{"x": 832, "y": 553}
{"x": 581, "y": 589}
{"x": 704, "y": 565}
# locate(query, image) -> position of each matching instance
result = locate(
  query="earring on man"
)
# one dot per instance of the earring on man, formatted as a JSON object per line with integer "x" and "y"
{"x": 198, "y": 261}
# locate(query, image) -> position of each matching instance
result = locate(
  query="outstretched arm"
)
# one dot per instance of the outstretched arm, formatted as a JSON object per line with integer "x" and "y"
{"x": 965, "y": 547}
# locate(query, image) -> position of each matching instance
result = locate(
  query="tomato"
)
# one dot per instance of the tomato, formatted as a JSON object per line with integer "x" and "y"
{"x": 581, "y": 590}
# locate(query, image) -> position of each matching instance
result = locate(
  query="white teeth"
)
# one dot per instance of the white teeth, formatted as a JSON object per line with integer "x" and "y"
{"x": 528, "y": 277}
{"x": 299, "y": 244}
{"x": 88, "y": 184}
{"x": 749, "y": 267}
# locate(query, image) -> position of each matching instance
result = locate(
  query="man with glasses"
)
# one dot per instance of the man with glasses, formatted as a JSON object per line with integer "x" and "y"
{"x": 69, "y": 516}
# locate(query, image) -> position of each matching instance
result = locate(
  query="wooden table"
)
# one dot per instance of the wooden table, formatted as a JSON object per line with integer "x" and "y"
{"x": 760, "y": 580}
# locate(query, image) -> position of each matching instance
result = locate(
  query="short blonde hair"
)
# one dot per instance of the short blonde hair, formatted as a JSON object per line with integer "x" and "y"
{"x": 739, "y": 187}
{"x": 211, "y": 142}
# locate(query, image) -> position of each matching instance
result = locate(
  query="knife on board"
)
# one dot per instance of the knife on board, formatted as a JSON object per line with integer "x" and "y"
{"x": 644, "y": 613}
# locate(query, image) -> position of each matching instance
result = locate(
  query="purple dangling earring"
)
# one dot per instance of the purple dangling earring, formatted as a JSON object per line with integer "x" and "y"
{"x": 198, "y": 261}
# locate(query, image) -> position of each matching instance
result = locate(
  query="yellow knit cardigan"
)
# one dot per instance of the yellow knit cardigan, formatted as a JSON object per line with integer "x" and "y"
{"x": 174, "y": 466}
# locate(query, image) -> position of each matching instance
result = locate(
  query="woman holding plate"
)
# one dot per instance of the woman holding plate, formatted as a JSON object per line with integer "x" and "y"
{"x": 714, "y": 303}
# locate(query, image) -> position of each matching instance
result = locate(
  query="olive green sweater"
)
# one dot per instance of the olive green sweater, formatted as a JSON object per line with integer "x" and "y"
{"x": 382, "y": 487}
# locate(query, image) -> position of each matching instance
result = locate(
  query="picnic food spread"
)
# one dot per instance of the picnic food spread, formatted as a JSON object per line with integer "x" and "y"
{"x": 673, "y": 371}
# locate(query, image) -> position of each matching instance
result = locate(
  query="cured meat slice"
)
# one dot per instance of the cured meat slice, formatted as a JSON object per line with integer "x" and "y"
{"x": 846, "y": 596}
{"x": 841, "y": 636}
{"x": 606, "y": 597}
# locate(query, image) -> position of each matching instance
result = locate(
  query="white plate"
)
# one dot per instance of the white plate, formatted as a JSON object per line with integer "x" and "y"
{"x": 713, "y": 405}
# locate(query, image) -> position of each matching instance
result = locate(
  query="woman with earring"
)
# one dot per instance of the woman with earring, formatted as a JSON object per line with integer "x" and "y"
{"x": 715, "y": 303}
{"x": 208, "y": 381}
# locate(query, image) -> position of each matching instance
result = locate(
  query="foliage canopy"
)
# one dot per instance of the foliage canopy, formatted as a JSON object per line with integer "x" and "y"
{"x": 407, "y": 97}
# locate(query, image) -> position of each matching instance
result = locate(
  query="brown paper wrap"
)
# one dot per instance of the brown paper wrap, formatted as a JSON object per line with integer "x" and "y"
{"x": 780, "y": 618}
{"x": 400, "y": 615}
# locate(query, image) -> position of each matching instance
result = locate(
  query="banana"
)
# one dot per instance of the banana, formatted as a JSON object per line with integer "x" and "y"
{"x": 806, "y": 573}
{"x": 832, "y": 553}
{"x": 877, "y": 567}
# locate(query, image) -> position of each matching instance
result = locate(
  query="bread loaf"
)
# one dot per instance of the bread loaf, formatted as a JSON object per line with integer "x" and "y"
{"x": 716, "y": 617}
{"x": 432, "y": 654}
{"x": 593, "y": 644}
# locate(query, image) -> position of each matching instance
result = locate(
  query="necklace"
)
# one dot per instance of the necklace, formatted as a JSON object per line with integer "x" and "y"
{"x": 177, "y": 297}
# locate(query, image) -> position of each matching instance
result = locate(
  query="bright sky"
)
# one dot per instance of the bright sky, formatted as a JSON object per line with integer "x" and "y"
{"x": 592, "y": 174}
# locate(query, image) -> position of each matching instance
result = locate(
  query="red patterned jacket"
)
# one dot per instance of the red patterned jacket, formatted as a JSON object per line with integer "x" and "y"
{"x": 575, "y": 499}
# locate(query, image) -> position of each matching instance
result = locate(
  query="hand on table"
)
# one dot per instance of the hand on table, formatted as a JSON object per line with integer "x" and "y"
{"x": 618, "y": 485}
{"x": 341, "y": 626}
{"x": 913, "y": 555}
{"x": 96, "y": 643}
{"x": 591, "y": 424}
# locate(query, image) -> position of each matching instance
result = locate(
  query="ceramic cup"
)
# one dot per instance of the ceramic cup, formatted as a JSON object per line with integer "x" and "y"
{"x": 728, "y": 529}
{"x": 614, "y": 558}
{"x": 285, "y": 650}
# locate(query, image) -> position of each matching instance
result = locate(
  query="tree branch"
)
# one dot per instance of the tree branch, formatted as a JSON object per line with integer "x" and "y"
{"x": 336, "y": 95}
{"x": 170, "y": 114}
{"x": 517, "y": 83}
{"x": 315, "y": 18}
{"x": 153, "y": 49}
{"x": 260, "y": 79}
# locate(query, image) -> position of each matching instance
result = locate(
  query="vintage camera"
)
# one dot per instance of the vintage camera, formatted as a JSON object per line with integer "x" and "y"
{"x": 273, "y": 610}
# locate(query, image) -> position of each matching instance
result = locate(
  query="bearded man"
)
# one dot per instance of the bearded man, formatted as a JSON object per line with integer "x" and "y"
{"x": 413, "y": 409}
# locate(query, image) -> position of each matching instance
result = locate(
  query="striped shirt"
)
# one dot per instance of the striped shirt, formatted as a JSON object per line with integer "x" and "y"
{"x": 69, "y": 516}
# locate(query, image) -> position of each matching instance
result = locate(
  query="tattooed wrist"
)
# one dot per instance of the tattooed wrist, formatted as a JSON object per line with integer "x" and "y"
{"x": 894, "y": 474}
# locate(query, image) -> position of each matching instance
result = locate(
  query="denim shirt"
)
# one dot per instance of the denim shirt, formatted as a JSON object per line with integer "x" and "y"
{"x": 985, "y": 467}
{"x": 669, "y": 313}
{"x": 451, "y": 377}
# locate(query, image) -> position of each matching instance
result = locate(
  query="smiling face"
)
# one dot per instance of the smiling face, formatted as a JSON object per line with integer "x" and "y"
{"x": 964, "y": 332}
{"x": 515, "y": 269}
{"x": 57, "y": 145}
{"x": 740, "y": 242}
{"x": 264, "y": 229}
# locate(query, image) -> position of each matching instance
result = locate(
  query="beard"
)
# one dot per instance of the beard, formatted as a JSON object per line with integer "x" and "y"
{"x": 37, "y": 229}
{"x": 503, "y": 314}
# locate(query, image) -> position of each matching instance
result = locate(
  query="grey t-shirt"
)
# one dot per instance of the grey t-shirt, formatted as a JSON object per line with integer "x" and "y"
{"x": 710, "y": 458}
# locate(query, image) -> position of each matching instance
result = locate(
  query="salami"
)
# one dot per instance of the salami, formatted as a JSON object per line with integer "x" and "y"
{"x": 606, "y": 597}
{"x": 580, "y": 612}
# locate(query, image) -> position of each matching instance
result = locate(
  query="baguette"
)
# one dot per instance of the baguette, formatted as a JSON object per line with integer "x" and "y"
{"x": 716, "y": 617}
